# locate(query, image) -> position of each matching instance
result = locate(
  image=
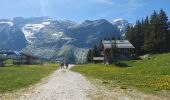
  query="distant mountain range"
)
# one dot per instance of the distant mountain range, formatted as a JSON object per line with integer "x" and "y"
{"x": 57, "y": 40}
{"x": 121, "y": 25}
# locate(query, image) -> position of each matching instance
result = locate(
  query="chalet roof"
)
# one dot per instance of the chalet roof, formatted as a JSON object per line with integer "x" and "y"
{"x": 10, "y": 53}
{"x": 121, "y": 44}
{"x": 25, "y": 54}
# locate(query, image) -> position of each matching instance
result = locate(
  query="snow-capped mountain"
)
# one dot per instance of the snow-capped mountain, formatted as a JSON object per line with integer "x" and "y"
{"x": 30, "y": 30}
{"x": 121, "y": 24}
{"x": 7, "y": 22}
{"x": 56, "y": 40}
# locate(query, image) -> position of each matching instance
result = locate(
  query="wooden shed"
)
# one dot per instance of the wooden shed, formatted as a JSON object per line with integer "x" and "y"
{"x": 98, "y": 59}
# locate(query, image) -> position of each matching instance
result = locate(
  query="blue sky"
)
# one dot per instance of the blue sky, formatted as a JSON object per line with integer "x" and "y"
{"x": 80, "y": 10}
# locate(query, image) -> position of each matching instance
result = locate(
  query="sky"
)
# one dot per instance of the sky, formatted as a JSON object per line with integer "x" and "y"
{"x": 80, "y": 10}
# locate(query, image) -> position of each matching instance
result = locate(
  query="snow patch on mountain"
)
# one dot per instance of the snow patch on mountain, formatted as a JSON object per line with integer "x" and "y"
{"x": 120, "y": 22}
{"x": 58, "y": 35}
{"x": 7, "y": 22}
{"x": 46, "y": 23}
{"x": 121, "y": 25}
{"x": 30, "y": 30}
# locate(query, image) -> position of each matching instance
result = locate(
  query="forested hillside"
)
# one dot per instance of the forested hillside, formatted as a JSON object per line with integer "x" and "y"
{"x": 150, "y": 35}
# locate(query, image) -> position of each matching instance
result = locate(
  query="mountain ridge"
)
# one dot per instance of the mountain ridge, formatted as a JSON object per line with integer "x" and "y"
{"x": 48, "y": 38}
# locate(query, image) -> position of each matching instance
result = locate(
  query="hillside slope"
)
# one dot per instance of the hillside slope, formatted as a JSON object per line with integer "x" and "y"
{"x": 151, "y": 74}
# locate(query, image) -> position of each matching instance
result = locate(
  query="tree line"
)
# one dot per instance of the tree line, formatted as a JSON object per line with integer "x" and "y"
{"x": 94, "y": 52}
{"x": 150, "y": 35}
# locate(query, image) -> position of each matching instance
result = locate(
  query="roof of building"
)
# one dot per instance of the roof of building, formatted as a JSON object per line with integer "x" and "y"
{"x": 10, "y": 53}
{"x": 14, "y": 54}
{"x": 121, "y": 44}
{"x": 32, "y": 56}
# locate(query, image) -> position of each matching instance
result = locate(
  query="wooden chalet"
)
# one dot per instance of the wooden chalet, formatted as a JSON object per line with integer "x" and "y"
{"x": 26, "y": 59}
{"x": 124, "y": 48}
{"x": 18, "y": 58}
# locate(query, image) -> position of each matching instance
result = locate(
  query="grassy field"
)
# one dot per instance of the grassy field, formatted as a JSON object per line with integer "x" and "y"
{"x": 17, "y": 77}
{"x": 149, "y": 74}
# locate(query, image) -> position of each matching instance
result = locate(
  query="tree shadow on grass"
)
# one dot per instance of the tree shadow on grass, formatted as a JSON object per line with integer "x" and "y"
{"x": 121, "y": 64}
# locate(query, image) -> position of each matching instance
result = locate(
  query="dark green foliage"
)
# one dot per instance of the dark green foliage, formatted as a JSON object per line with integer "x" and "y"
{"x": 89, "y": 56}
{"x": 164, "y": 36}
{"x": 130, "y": 34}
{"x": 113, "y": 54}
{"x": 150, "y": 35}
{"x": 147, "y": 39}
{"x": 154, "y": 32}
{"x": 101, "y": 47}
{"x": 95, "y": 51}
{"x": 138, "y": 36}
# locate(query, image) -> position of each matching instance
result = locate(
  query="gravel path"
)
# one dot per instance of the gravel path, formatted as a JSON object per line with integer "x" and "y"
{"x": 68, "y": 85}
{"x": 62, "y": 85}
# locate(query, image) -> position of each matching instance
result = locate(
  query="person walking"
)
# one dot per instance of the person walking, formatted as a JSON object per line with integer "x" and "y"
{"x": 62, "y": 65}
{"x": 66, "y": 65}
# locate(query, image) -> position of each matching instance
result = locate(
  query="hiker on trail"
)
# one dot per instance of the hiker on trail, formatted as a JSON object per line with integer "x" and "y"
{"x": 66, "y": 65}
{"x": 62, "y": 65}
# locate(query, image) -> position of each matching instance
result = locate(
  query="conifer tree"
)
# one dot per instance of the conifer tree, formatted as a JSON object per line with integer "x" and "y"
{"x": 138, "y": 43}
{"x": 89, "y": 56}
{"x": 115, "y": 51}
{"x": 163, "y": 31}
{"x": 95, "y": 51}
{"x": 147, "y": 39}
{"x": 101, "y": 47}
{"x": 130, "y": 34}
{"x": 151, "y": 35}
{"x": 154, "y": 35}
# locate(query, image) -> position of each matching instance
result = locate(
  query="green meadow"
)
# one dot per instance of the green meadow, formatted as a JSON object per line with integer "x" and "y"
{"x": 149, "y": 74}
{"x": 16, "y": 77}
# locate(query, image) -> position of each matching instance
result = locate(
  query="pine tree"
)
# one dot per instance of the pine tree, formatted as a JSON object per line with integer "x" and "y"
{"x": 163, "y": 31}
{"x": 138, "y": 43}
{"x": 115, "y": 51}
{"x": 130, "y": 35}
{"x": 101, "y": 47}
{"x": 95, "y": 51}
{"x": 154, "y": 35}
{"x": 150, "y": 35}
{"x": 89, "y": 56}
{"x": 147, "y": 39}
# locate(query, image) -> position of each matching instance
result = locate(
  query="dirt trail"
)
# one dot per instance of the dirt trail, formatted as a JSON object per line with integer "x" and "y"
{"x": 67, "y": 85}
{"x": 62, "y": 85}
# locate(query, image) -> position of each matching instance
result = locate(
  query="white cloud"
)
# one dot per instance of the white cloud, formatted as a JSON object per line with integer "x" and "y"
{"x": 108, "y": 2}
